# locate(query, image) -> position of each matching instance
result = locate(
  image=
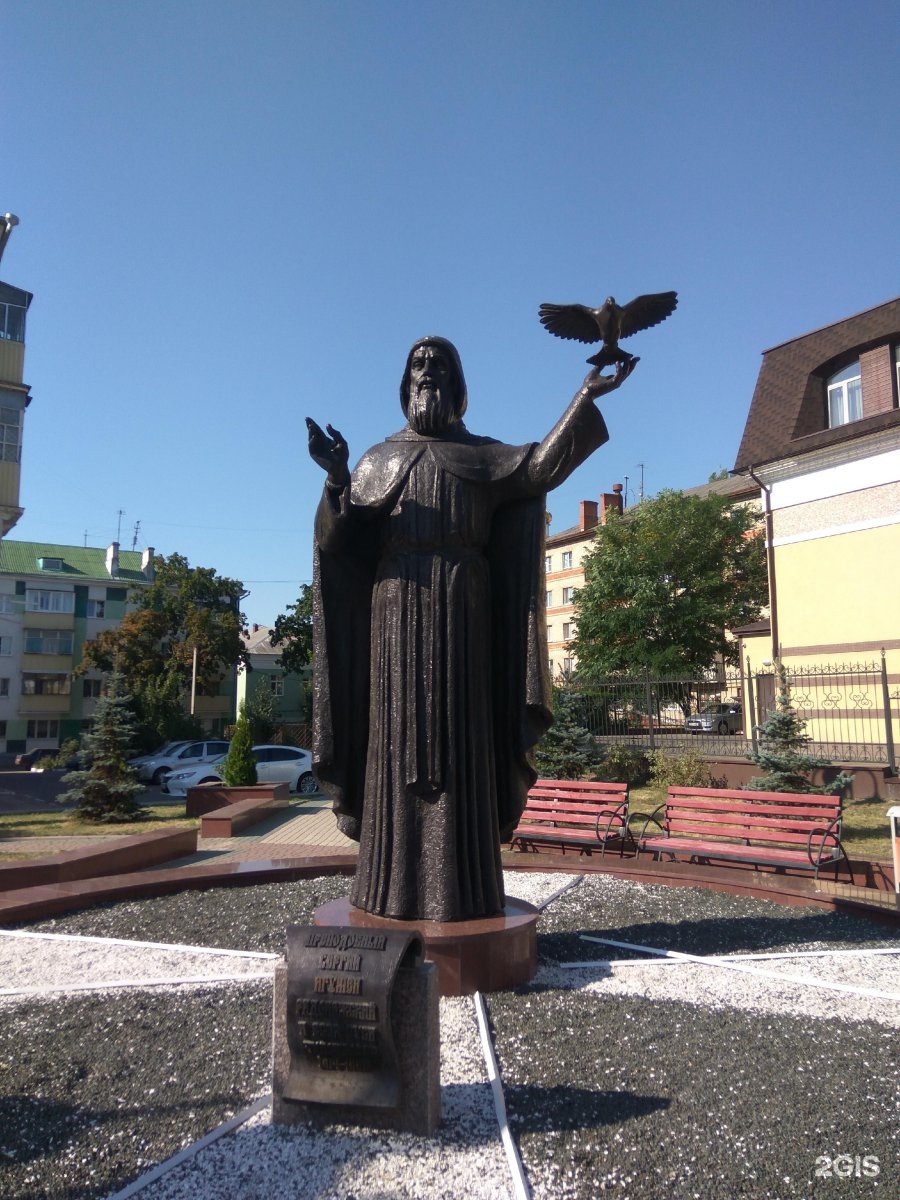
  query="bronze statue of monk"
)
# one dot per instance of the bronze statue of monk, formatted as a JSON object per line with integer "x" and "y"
{"x": 431, "y": 674}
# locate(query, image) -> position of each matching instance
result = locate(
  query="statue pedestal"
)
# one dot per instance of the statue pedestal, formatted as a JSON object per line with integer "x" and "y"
{"x": 490, "y": 954}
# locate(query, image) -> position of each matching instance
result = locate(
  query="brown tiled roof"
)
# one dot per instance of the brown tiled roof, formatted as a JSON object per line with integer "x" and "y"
{"x": 787, "y": 413}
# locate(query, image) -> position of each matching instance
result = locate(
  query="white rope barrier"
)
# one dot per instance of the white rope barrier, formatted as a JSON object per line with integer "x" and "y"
{"x": 731, "y": 964}
{"x": 520, "y": 1182}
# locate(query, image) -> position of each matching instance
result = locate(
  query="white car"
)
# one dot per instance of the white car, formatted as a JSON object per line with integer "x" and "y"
{"x": 274, "y": 764}
{"x": 153, "y": 768}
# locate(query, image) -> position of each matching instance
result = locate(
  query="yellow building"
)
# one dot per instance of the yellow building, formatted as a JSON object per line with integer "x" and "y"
{"x": 822, "y": 438}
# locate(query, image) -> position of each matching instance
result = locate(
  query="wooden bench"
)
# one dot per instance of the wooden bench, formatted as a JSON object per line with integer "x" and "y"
{"x": 778, "y": 829}
{"x": 573, "y": 812}
{"x": 226, "y": 822}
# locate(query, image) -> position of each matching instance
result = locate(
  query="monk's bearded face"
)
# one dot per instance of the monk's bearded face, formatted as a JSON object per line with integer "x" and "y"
{"x": 432, "y": 392}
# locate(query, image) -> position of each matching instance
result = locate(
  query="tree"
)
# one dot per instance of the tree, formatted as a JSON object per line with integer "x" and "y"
{"x": 293, "y": 631}
{"x": 664, "y": 581}
{"x": 239, "y": 767}
{"x": 782, "y": 754}
{"x": 106, "y": 789}
{"x": 153, "y": 647}
{"x": 566, "y": 750}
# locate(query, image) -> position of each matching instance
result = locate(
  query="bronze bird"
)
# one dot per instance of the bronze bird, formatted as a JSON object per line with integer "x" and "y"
{"x": 608, "y": 323}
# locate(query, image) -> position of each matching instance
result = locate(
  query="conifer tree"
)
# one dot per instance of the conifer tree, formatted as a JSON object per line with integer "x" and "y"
{"x": 781, "y": 753}
{"x": 239, "y": 767}
{"x": 106, "y": 788}
{"x": 566, "y": 750}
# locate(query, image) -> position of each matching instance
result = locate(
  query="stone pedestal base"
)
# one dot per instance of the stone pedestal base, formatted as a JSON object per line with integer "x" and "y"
{"x": 491, "y": 954}
{"x": 416, "y": 1029}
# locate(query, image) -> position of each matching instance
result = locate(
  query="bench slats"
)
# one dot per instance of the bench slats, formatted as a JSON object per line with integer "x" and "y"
{"x": 561, "y": 812}
{"x": 767, "y": 828}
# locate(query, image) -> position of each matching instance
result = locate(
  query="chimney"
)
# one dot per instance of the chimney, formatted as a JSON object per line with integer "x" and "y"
{"x": 112, "y": 559}
{"x": 587, "y": 517}
{"x": 147, "y": 564}
{"x": 255, "y": 628}
{"x": 611, "y": 502}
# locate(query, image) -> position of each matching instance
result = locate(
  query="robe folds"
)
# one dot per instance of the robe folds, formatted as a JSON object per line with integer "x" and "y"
{"x": 431, "y": 680}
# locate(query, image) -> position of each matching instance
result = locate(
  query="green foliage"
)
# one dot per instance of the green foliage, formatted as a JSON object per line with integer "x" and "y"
{"x": 621, "y": 764}
{"x": 566, "y": 751}
{"x": 782, "y": 756}
{"x": 67, "y": 750}
{"x": 293, "y": 632}
{"x": 153, "y": 647}
{"x": 239, "y": 767}
{"x": 664, "y": 581}
{"x": 685, "y": 769}
{"x": 260, "y": 708}
{"x": 106, "y": 790}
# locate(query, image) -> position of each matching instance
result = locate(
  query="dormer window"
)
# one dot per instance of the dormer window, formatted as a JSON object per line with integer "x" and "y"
{"x": 845, "y": 396}
{"x": 50, "y": 564}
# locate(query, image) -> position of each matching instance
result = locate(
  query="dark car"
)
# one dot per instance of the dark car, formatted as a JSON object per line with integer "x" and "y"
{"x": 34, "y": 758}
{"x": 726, "y": 717}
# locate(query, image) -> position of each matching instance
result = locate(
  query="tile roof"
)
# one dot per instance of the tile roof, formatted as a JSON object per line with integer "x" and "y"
{"x": 79, "y": 562}
{"x": 787, "y": 412}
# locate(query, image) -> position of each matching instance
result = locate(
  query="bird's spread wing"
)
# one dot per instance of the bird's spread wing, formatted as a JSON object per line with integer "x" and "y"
{"x": 571, "y": 321}
{"x": 645, "y": 311}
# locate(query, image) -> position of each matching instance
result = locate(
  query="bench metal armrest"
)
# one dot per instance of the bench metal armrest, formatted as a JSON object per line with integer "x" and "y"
{"x": 616, "y": 816}
{"x": 647, "y": 818}
{"x": 832, "y": 829}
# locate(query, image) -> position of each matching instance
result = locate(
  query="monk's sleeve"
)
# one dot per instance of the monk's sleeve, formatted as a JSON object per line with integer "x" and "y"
{"x": 572, "y": 440}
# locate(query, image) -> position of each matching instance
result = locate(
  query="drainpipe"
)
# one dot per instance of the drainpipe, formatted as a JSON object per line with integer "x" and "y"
{"x": 770, "y": 561}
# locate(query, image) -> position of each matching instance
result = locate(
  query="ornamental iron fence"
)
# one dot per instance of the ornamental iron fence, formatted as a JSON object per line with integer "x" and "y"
{"x": 851, "y": 714}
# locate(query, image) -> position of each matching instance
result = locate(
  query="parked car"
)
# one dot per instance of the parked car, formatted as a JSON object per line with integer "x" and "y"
{"x": 152, "y": 768}
{"x": 727, "y": 717}
{"x": 29, "y": 759}
{"x": 274, "y": 764}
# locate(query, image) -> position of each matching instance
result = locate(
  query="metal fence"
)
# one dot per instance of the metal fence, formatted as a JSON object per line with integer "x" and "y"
{"x": 849, "y": 712}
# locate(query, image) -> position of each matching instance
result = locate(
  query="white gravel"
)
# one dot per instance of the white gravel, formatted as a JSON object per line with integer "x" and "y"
{"x": 465, "y": 1158}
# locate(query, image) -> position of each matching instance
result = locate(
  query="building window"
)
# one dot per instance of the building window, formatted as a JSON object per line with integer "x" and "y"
{"x": 5, "y": 646}
{"x": 8, "y": 604}
{"x": 276, "y": 684}
{"x": 4, "y": 686}
{"x": 549, "y": 599}
{"x": 567, "y": 630}
{"x": 568, "y": 595}
{"x": 548, "y": 563}
{"x": 48, "y": 641}
{"x": 91, "y": 688}
{"x": 12, "y": 323}
{"x": 45, "y": 600}
{"x": 96, "y": 608}
{"x": 567, "y": 559}
{"x": 34, "y": 684}
{"x": 567, "y": 666}
{"x": 43, "y": 727}
{"x": 10, "y": 434}
{"x": 845, "y": 396}
{"x": 897, "y": 368}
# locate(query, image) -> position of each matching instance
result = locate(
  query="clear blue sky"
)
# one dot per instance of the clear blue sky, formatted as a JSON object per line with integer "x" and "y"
{"x": 235, "y": 214}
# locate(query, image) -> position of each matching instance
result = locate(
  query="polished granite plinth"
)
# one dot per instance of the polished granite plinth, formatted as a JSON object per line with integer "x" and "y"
{"x": 490, "y": 954}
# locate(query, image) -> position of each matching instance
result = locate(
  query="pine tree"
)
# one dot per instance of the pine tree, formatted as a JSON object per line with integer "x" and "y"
{"x": 566, "y": 750}
{"x": 106, "y": 789}
{"x": 781, "y": 754}
{"x": 239, "y": 767}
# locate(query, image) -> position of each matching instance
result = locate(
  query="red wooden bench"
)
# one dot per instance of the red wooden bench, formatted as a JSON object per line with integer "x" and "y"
{"x": 573, "y": 812}
{"x": 778, "y": 829}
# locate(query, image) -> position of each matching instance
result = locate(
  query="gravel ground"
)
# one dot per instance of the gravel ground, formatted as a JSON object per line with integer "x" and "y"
{"x": 647, "y": 1080}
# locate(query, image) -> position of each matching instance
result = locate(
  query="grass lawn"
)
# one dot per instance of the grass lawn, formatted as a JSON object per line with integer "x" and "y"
{"x": 864, "y": 833}
{"x": 66, "y": 824}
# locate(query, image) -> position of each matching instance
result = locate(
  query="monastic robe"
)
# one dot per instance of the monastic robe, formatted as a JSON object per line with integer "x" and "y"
{"x": 431, "y": 678}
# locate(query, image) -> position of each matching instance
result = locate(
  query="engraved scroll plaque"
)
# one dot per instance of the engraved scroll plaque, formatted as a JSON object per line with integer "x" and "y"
{"x": 339, "y": 986}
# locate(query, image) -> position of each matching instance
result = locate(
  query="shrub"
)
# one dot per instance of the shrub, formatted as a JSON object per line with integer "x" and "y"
{"x": 621, "y": 764}
{"x": 239, "y": 767}
{"x": 685, "y": 769}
